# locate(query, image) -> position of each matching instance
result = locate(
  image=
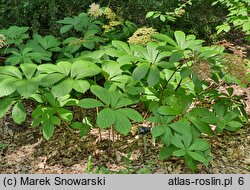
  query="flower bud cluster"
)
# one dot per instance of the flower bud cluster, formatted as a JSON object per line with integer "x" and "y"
{"x": 142, "y": 36}
{"x": 113, "y": 20}
{"x": 95, "y": 10}
{"x": 2, "y": 41}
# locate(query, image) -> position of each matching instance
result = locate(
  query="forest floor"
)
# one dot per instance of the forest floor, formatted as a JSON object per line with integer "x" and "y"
{"x": 24, "y": 150}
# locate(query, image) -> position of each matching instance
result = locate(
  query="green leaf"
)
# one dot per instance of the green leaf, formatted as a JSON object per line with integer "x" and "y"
{"x": 28, "y": 69}
{"x": 37, "y": 121}
{"x": 201, "y": 126}
{"x": 179, "y": 153}
{"x": 162, "y": 18}
{"x": 219, "y": 109}
{"x": 177, "y": 142}
{"x": 185, "y": 130}
{"x": 197, "y": 156}
{"x": 166, "y": 136}
{"x": 190, "y": 162}
{"x": 48, "y": 129}
{"x": 140, "y": 71}
{"x": 51, "y": 79}
{"x": 67, "y": 101}
{"x": 55, "y": 120}
{"x": 180, "y": 38}
{"x": 234, "y": 125}
{"x": 7, "y": 86}
{"x": 131, "y": 114}
{"x": 37, "y": 112}
{"x": 5, "y": 105}
{"x": 106, "y": 118}
{"x": 167, "y": 110}
{"x": 48, "y": 68}
{"x": 101, "y": 93}
{"x": 224, "y": 27}
{"x": 176, "y": 56}
{"x": 230, "y": 91}
{"x": 90, "y": 103}
{"x": 123, "y": 102}
{"x": 199, "y": 144}
{"x": 150, "y": 14}
{"x": 64, "y": 67}
{"x": 180, "y": 126}
{"x": 157, "y": 131}
{"x": 122, "y": 123}
{"x": 27, "y": 88}
{"x": 65, "y": 29}
{"x": 134, "y": 90}
{"x": 112, "y": 68}
{"x": 166, "y": 152}
{"x": 114, "y": 96}
{"x": 77, "y": 125}
{"x": 165, "y": 38}
{"x": 19, "y": 113}
{"x": 48, "y": 97}
{"x": 62, "y": 88}
{"x": 81, "y": 86}
{"x": 84, "y": 128}
{"x": 185, "y": 72}
{"x": 121, "y": 46}
{"x": 11, "y": 71}
{"x": 204, "y": 115}
{"x": 65, "y": 114}
{"x": 153, "y": 76}
{"x": 81, "y": 69}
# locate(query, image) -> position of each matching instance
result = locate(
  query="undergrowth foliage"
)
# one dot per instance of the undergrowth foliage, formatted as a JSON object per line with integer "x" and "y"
{"x": 167, "y": 75}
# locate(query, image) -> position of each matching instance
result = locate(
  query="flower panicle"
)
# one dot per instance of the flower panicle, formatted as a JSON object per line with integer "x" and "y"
{"x": 3, "y": 42}
{"x": 95, "y": 10}
{"x": 142, "y": 36}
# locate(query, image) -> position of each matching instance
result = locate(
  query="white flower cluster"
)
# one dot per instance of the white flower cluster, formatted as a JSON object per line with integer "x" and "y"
{"x": 2, "y": 41}
{"x": 95, "y": 10}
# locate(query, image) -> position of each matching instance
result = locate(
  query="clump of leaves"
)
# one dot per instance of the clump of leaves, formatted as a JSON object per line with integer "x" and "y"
{"x": 114, "y": 110}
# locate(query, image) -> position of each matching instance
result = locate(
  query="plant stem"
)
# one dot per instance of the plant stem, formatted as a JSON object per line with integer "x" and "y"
{"x": 145, "y": 144}
{"x": 100, "y": 132}
{"x": 179, "y": 84}
{"x": 166, "y": 84}
{"x": 113, "y": 133}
